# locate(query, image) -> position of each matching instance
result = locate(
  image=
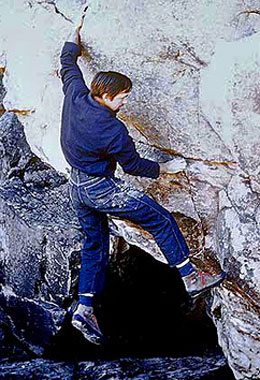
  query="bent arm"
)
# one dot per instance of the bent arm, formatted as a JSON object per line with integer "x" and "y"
{"x": 71, "y": 74}
{"x": 123, "y": 149}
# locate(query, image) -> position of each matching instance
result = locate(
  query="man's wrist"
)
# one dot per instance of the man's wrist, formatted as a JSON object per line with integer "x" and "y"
{"x": 162, "y": 167}
{"x": 75, "y": 38}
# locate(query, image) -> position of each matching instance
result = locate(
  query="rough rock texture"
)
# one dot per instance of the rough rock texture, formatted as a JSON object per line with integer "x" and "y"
{"x": 195, "y": 68}
{"x": 188, "y": 368}
{"x": 200, "y": 368}
{"x": 37, "y": 369}
{"x": 36, "y": 240}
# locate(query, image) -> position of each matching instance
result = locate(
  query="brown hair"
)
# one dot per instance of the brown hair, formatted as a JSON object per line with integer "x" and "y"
{"x": 111, "y": 83}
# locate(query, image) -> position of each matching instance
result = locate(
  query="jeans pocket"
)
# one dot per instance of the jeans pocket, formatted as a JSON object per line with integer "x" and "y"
{"x": 101, "y": 192}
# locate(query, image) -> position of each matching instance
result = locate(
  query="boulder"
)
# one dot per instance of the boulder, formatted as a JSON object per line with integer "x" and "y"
{"x": 36, "y": 240}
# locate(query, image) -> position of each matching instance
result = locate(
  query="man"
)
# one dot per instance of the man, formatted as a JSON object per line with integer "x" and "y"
{"x": 93, "y": 140}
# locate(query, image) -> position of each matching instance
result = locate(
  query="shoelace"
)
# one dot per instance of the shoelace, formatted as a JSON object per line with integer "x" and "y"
{"x": 203, "y": 275}
{"x": 93, "y": 319}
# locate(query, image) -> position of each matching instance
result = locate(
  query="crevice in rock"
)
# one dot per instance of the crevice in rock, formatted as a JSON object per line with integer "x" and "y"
{"x": 184, "y": 55}
{"x": 172, "y": 152}
{"x": 201, "y": 114}
{"x": 181, "y": 53}
{"x": 42, "y": 268}
{"x": 50, "y": 2}
{"x": 128, "y": 119}
{"x": 2, "y": 90}
{"x": 24, "y": 112}
{"x": 248, "y": 180}
{"x": 217, "y": 313}
{"x": 192, "y": 53}
{"x": 249, "y": 11}
{"x": 243, "y": 217}
{"x": 194, "y": 205}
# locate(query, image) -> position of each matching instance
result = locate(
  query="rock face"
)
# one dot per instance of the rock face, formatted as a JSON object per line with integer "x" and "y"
{"x": 195, "y": 68}
{"x": 40, "y": 246}
{"x": 185, "y": 369}
{"x": 36, "y": 240}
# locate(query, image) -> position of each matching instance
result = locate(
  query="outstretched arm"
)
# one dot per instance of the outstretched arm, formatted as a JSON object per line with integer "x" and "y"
{"x": 71, "y": 74}
{"x": 123, "y": 149}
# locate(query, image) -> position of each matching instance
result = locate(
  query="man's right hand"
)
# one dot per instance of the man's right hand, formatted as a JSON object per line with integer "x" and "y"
{"x": 176, "y": 165}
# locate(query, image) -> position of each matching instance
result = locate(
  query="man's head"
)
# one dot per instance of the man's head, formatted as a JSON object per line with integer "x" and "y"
{"x": 111, "y": 89}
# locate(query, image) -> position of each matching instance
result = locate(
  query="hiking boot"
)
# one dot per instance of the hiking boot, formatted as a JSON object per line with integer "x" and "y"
{"x": 198, "y": 283}
{"x": 85, "y": 321}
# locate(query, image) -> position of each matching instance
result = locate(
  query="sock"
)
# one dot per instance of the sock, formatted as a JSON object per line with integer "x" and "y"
{"x": 86, "y": 299}
{"x": 185, "y": 268}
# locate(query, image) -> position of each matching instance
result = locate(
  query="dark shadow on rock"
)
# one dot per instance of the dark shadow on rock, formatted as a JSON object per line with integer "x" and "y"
{"x": 144, "y": 311}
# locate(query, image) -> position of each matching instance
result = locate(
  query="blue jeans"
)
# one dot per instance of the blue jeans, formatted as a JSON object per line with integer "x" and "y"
{"x": 94, "y": 198}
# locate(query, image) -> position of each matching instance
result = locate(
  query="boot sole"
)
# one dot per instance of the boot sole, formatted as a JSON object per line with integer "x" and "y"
{"x": 92, "y": 339}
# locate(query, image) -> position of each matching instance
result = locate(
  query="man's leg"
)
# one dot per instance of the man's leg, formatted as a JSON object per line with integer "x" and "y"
{"x": 134, "y": 206}
{"x": 94, "y": 260}
{"x": 152, "y": 217}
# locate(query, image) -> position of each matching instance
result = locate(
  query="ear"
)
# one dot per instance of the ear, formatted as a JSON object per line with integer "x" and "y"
{"x": 105, "y": 97}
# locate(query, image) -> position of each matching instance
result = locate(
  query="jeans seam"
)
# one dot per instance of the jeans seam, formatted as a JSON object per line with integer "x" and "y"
{"x": 79, "y": 195}
{"x": 78, "y": 184}
{"x": 92, "y": 184}
{"x": 93, "y": 285}
{"x": 165, "y": 217}
{"x": 105, "y": 194}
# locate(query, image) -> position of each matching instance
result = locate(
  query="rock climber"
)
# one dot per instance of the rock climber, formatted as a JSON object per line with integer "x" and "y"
{"x": 93, "y": 141}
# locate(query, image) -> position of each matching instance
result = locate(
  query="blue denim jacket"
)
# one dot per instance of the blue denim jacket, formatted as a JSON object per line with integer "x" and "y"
{"x": 92, "y": 138}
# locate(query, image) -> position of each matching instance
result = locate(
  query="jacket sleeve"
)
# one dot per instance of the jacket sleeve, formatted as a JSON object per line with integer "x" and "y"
{"x": 123, "y": 149}
{"x": 71, "y": 74}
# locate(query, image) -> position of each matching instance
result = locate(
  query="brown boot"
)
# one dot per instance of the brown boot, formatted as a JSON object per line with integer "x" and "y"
{"x": 198, "y": 283}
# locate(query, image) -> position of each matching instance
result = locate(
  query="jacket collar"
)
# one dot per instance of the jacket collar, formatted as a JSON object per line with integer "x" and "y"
{"x": 99, "y": 107}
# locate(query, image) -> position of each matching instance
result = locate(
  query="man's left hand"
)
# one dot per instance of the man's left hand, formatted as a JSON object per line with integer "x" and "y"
{"x": 176, "y": 165}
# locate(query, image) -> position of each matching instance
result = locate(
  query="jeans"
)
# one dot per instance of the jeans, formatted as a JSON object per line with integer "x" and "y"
{"x": 94, "y": 198}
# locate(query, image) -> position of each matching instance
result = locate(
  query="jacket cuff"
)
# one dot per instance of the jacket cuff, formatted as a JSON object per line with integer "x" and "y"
{"x": 72, "y": 47}
{"x": 156, "y": 170}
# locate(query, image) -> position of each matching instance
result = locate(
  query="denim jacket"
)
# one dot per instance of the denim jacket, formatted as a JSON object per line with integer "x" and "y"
{"x": 92, "y": 138}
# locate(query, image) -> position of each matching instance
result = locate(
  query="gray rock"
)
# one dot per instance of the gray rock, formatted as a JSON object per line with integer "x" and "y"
{"x": 33, "y": 323}
{"x": 37, "y": 369}
{"x": 36, "y": 241}
{"x": 154, "y": 368}
{"x": 189, "y": 368}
